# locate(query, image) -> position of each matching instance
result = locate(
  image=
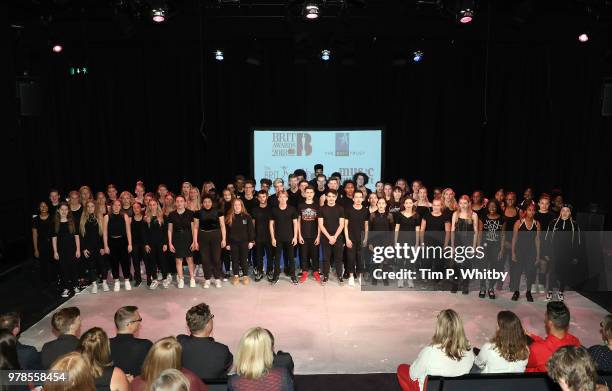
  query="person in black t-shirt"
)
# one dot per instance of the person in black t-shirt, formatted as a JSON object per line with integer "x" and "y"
{"x": 294, "y": 191}
{"x": 543, "y": 216}
{"x": 320, "y": 186}
{"x": 182, "y": 242}
{"x": 249, "y": 198}
{"x": 66, "y": 248}
{"x": 355, "y": 232}
{"x": 240, "y": 239}
{"x": 333, "y": 183}
{"x": 279, "y": 185}
{"x": 309, "y": 235}
{"x": 54, "y": 202}
{"x": 283, "y": 233}
{"x": 331, "y": 223}
{"x": 211, "y": 238}
{"x": 41, "y": 239}
{"x": 263, "y": 245}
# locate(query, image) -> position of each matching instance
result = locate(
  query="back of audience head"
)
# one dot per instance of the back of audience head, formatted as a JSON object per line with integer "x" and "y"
{"x": 254, "y": 357}
{"x": 573, "y": 368}
{"x": 67, "y": 320}
{"x": 557, "y": 316}
{"x": 164, "y": 354}
{"x": 78, "y": 371}
{"x": 606, "y": 329}
{"x": 450, "y": 334}
{"x": 510, "y": 339}
{"x": 8, "y": 350}
{"x": 127, "y": 319}
{"x": 171, "y": 380}
{"x": 11, "y": 321}
{"x": 199, "y": 320}
{"x": 95, "y": 348}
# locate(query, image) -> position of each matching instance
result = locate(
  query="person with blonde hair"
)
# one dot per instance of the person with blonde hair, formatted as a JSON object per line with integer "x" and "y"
{"x": 78, "y": 373}
{"x": 254, "y": 365}
{"x": 91, "y": 229}
{"x": 127, "y": 200}
{"x": 171, "y": 380}
{"x": 95, "y": 349}
{"x": 448, "y": 354}
{"x": 164, "y": 354}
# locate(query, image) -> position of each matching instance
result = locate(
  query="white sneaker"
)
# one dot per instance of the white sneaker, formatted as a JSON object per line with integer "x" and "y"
{"x": 351, "y": 281}
{"x": 117, "y": 286}
{"x": 154, "y": 285}
{"x": 105, "y": 287}
{"x": 410, "y": 284}
{"x": 159, "y": 276}
{"x": 65, "y": 293}
{"x": 192, "y": 283}
{"x": 218, "y": 283}
{"x": 560, "y": 296}
{"x": 359, "y": 280}
{"x": 400, "y": 283}
{"x": 206, "y": 284}
{"x": 166, "y": 282}
{"x": 128, "y": 286}
{"x": 94, "y": 288}
{"x": 181, "y": 283}
{"x": 541, "y": 288}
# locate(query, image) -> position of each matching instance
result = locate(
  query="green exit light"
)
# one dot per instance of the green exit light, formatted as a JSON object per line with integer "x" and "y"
{"x": 76, "y": 71}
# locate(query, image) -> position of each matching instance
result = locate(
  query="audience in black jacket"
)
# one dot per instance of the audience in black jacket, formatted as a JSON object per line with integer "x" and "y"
{"x": 67, "y": 324}
{"x": 127, "y": 351}
{"x": 28, "y": 356}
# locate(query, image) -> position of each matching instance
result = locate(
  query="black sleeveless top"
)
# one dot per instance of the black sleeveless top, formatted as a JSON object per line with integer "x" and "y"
{"x": 464, "y": 231}
{"x": 525, "y": 242}
{"x": 510, "y": 225}
{"x": 116, "y": 225}
{"x": 103, "y": 382}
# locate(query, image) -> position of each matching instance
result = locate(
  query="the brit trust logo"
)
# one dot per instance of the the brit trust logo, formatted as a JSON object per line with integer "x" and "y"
{"x": 291, "y": 144}
{"x": 342, "y": 144}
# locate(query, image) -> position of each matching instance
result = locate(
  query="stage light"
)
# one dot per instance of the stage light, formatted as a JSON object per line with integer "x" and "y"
{"x": 584, "y": 37}
{"x": 417, "y": 56}
{"x": 159, "y": 15}
{"x": 57, "y": 48}
{"x": 219, "y": 55}
{"x": 325, "y": 54}
{"x": 466, "y": 16}
{"x": 311, "y": 11}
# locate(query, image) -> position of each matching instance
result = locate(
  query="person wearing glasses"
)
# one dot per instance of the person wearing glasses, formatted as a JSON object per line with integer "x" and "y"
{"x": 207, "y": 358}
{"x": 127, "y": 351}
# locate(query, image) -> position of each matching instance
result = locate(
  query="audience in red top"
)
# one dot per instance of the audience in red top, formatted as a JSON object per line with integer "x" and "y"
{"x": 556, "y": 321}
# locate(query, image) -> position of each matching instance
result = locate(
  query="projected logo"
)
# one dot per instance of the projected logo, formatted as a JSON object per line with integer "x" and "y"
{"x": 291, "y": 144}
{"x": 342, "y": 144}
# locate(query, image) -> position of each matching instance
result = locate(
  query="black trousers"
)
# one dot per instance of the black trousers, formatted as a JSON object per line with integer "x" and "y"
{"x": 96, "y": 265}
{"x": 491, "y": 251}
{"x": 153, "y": 260}
{"x": 226, "y": 258}
{"x": 119, "y": 257}
{"x": 261, "y": 248}
{"x": 355, "y": 259}
{"x": 334, "y": 250}
{"x": 284, "y": 248}
{"x": 210, "y": 253}
{"x": 240, "y": 252}
{"x": 170, "y": 262}
{"x": 525, "y": 263}
{"x": 562, "y": 271}
{"x": 309, "y": 255}
{"x": 138, "y": 252}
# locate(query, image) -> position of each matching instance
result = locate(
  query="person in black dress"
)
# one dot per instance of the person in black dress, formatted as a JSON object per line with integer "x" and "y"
{"x": 372, "y": 203}
{"x": 543, "y": 216}
{"x": 66, "y": 248}
{"x": 91, "y": 229}
{"x": 492, "y": 228}
{"x": 127, "y": 200}
{"x": 118, "y": 244}
{"x": 155, "y": 237}
{"x": 331, "y": 223}
{"x": 355, "y": 234}
{"x": 42, "y": 224}
{"x": 479, "y": 204}
{"x": 283, "y": 234}
{"x": 511, "y": 215}
{"x": 423, "y": 206}
{"x": 381, "y": 225}
{"x": 182, "y": 234}
{"x": 240, "y": 239}
{"x": 407, "y": 228}
{"x": 211, "y": 238}
{"x": 464, "y": 233}
{"x": 525, "y": 252}
{"x": 435, "y": 232}
{"x": 309, "y": 235}
{"x": 225, "y": 204}
{"x": 167, "y": 208}
{"x": 138, "y": 251}
{"x": 263, "y": 244}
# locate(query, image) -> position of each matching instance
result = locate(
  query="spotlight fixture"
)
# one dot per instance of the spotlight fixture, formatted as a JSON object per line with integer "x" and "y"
{"x": 311, "y": 11}
{"x": 325, "y": 54}
{"x": 466, "y": 16}
{"x": 417, "y": 56}
{"x": 158, "y": 15}
{"x": 584, "y": 37}
{"x": 57, "y": 48}
{"x": 219, "y": 55}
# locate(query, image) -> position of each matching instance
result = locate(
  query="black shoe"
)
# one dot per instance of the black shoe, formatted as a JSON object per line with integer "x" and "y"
{"x": 274, "y": 281}
{"x": 340, "y": 280}
{"x": 515, "y": 296}
{"x": 345, "y": 275}
{"x": 454, "y": 288}
{"x": 270, "y": 275}
{"x": 482, "y": 294}
{"x": 258, "y": 277}
{"x": 294, "y": 280}
{"x": 491, "y": 294}
{"x": 226, "y": 276}
{"x": 465, "y": 290}
{"x": 529, "y": 297}
{"x": 324, "y": 280}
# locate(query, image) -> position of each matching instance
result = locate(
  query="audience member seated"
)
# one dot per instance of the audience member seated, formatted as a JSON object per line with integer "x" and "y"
{"x": 8, "y": 351}
{"x": 95, "y": 349}
{"x": 254, "y": 365}
{"x": 67, "y": 324}
{"x": 574, "y": 370}
{"x": 171, "y": 380}
{"x": 448, "y": 354}
{"x": 78, "y": 371}
{"x": 165, "y": 354}
{"x": 281, "y": 359}
{"x": 127, "y": 351}
{"x": 29, "y": 357}
{"x": 202, "y": 355}
{"x": 508, "y": 350}
{"x": 556, "y": 322}
{"x": 601, "y": 354}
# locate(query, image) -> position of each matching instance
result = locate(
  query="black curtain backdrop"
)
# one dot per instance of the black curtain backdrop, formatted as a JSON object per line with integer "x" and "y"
{"x": 137, "y": 114}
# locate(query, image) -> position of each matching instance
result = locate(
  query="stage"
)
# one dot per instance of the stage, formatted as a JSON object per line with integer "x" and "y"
{"x": 329, "y": 329}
